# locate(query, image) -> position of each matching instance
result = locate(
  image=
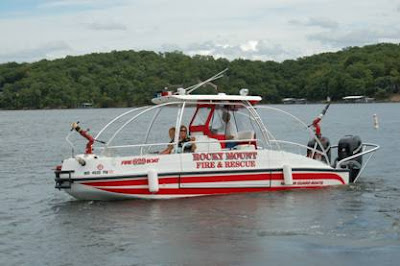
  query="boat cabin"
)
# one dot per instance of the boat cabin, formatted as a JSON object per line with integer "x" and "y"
{"x": 217, "y": 121}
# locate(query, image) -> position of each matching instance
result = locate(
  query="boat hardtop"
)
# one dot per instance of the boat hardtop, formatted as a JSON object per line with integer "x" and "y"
{"x": 218, "y": 98}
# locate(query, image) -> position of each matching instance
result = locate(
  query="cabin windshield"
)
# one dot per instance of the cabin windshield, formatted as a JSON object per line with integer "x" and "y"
{"x": 201, "y": 116}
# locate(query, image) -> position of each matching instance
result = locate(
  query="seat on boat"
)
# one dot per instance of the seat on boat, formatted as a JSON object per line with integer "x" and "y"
{"x": 242, "y": 135}
{"x": 206, "y": 144}
{"x": 243, "y": 138}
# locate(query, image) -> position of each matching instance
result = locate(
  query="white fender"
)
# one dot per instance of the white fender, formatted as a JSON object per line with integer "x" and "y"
{"x": 287, "y": 175}
{"x": 152, "y": 177}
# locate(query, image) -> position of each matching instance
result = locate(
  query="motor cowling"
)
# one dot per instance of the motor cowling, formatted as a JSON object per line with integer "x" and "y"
{"x": 313, "y": 144}
{"x": 348, "y": 146}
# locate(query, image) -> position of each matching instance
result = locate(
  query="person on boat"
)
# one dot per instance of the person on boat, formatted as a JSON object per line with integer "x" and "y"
{"x": 170, "y": 147}
{"x": 326, "y": 146}
{"x": 183, "y": 139}
{"x": 86, "y": 135}
{"x": 229, "y": 130}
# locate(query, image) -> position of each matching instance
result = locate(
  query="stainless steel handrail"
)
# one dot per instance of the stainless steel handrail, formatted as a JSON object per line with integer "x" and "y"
{"x": 174, "y": 143}
{"x": 373, "y": 148}
{"x": 222, "y": 141}
{"x": 314, "y": 150}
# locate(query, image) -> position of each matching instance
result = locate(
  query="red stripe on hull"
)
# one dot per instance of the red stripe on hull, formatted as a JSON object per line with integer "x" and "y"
{"x": 201, "y": 191}
{"x": 132, "y": 182}
{"x": 312, "y": 176}
{"x": 226, "y": 178}
{"x": 276, "y": 176}
{"x": 315, "y": 176}
{"x": 260, "y": 177}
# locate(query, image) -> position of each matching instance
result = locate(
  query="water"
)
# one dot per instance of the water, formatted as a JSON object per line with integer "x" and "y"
{"x": 354, "y": 225}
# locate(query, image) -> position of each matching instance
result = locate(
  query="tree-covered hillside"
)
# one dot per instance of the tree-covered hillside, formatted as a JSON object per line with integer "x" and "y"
{"x": 130, "y": 78}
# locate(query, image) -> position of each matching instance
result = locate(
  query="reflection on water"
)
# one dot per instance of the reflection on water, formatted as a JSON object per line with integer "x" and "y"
{"x": 354, "y": 225}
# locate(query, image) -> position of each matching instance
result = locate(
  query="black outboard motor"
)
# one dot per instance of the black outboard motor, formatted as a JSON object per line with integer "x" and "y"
{"x": 313, "y": 144}
{"x": 348, "y": 146}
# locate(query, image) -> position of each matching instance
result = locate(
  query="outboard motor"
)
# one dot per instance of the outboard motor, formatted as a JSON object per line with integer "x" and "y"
{"x": 348, "y": 146}
{"x": 313, "y": 144}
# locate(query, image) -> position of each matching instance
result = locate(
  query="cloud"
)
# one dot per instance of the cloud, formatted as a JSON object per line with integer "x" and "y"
{"x": 170, "y": 47}
{"x": 63, "y": 3}
{"x": 257, "y": 29}
{"x": 72, "y": 3}
{"x": 325, "y": 23}
{"x": 47, "y": 50}
{"x": 354, "y": 37}
{"x": 250, "y": 46}
{"x": 110, "y": 25}
{"x": 252, "y": 49}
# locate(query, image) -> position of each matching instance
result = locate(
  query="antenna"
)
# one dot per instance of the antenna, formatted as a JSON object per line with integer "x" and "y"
{"x": 198, "y": 85}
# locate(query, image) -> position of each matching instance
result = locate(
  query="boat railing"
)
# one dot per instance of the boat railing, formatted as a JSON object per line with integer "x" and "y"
{"x": 67, "y": 138}
{"x": 146, "y": 148}
{"x": 241, "y": 144}
{"x": 367, "y": 149}
{"x": 311, "y": 152}
{"x": 143, "y": 148}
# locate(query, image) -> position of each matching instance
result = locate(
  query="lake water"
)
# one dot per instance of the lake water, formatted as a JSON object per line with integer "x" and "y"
{"x": 353, "y": 225}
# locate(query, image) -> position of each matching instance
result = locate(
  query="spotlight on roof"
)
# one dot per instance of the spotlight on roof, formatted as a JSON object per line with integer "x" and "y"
{"x": 244, "y": 92}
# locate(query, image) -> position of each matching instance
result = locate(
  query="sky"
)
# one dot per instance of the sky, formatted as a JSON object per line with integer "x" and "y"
{"x": 31, "y": 30}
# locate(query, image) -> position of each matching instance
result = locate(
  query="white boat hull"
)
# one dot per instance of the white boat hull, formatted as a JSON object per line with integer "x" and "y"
{"x": 123, "y": 178}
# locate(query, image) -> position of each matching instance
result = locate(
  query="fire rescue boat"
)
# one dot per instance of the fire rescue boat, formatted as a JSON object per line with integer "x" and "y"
{"x": 190, "y": 145}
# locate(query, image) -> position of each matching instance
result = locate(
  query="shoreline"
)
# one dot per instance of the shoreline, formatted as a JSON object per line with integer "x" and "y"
{"x": 121, "y": 107}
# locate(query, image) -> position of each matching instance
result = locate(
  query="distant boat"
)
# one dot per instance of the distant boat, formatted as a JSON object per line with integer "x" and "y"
{"x": 358, "y": 99}
{"x": 86, "y": 105}
{"x": 294, "y": 101}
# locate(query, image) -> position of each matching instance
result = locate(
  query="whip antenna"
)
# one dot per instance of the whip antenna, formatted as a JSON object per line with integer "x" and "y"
{"x": 198, "y": 85}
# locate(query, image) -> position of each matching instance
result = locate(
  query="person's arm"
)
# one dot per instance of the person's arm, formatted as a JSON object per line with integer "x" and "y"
{"x": 193, "y": 148}
{"x": 168, "y": 150}
{"x": 230, "y": 132}
{"x": 229, "y": 137}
